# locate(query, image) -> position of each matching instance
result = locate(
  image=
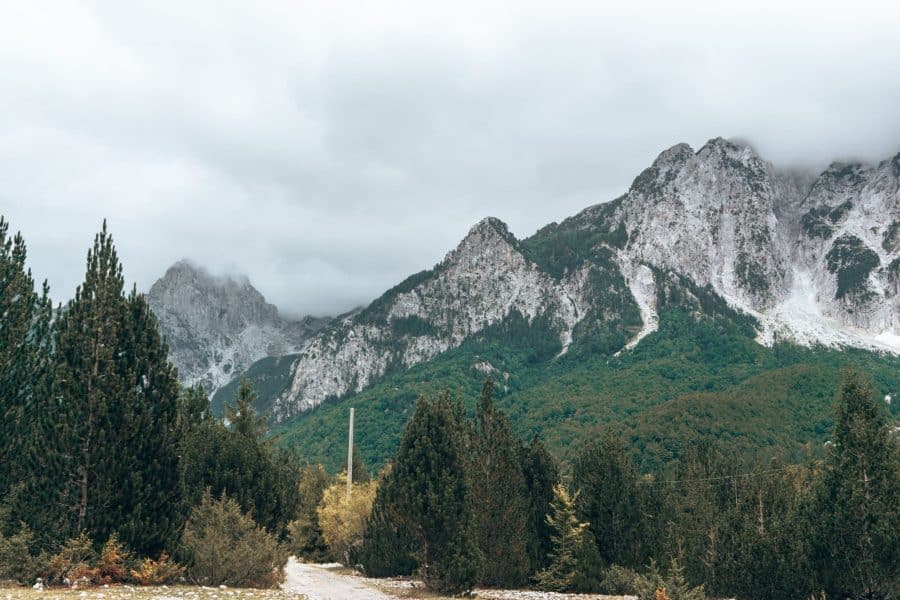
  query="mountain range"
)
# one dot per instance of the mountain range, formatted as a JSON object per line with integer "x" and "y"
{"x": 718, "y": 235}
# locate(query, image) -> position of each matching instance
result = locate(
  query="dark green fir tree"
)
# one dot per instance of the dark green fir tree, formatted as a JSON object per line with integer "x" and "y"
{"x": 238, "y": 461}
{"x": 500, "y": 500}
{"x": 609, "y": 499}
{"x": 432, "y": 495}
{"x": 242, "y": 417}
{"x": 25, "y": 345}
{"x": 115, "y": 413}
{"x": 541, "y": 475}
{"x": 857, "y": 508}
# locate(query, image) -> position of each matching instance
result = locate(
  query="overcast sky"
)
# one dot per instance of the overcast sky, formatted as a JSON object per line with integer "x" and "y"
{"x": 327, "y": 150}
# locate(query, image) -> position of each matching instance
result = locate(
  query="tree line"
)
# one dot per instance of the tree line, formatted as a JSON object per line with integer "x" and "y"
{"x": 464, "y": 503}
{"x": 102, "y": 453}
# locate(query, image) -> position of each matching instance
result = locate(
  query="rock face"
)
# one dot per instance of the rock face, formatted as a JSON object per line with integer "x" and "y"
{"x": 216, "y": 327}
{"x": 815, "y": 259}
{"x": 484, "y": 280}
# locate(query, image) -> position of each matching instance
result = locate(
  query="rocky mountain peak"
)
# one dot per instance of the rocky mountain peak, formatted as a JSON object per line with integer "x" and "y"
{"x": 675, "y": 156}
{"x": 489, "y": 233}
{"x": 217, "y": 326}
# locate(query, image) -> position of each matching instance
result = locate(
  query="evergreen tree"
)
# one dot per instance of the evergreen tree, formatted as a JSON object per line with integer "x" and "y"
{"x": 242, "y": 417}
{"x": 360, "y": 472}
{"x": 25, "y": 344}
{"x": 389, "y": 548}
{"x": 306, "y": 534}
{"x": 115, "y": 413}
{"x": 499, "y": 497}
{"x": 609, "y": 499}
{"x": 699, "y": 501}
{"x": 193, "y": 410}
{"x": 568, "y": 540}
{"x": 858, "y": 549}
{"x": 429, "y": 490}
{"x": 240, "y": 463}
{"x": 541, "y": 475}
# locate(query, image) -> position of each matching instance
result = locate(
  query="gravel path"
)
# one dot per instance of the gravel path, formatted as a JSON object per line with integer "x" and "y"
{"x": 326, "y": 582}
{"x": 318, "y": 582}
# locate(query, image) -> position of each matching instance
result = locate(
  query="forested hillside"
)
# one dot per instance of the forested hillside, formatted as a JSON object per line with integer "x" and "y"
{"x": 697, "y": 375}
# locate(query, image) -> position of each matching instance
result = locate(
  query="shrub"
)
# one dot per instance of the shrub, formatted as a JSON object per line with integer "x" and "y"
{"x": 620, "y": 581}
{"x": 73, "y": 562}
{"x": 112, "y": 565}
{"x": 342, "y": 518}
{"x": 672, "y": 586}
{"x": 157, "y": 572}
{"x": 225, "y": 546}
{"x": 16, "y": 560}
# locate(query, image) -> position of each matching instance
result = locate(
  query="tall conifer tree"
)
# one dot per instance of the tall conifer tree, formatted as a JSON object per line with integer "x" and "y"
{"x": 609, "y": 499}
{"x": 858, "y": 549}
{"x": 430, "y": 491}
{"x": 500, "y": 497}
{"x": 242, "y": 417}
{"x": 25, "y": 344}
{"x": 116, "y": 413}
{"x": 541, "y": 476}
{"x": 568, "y": 539}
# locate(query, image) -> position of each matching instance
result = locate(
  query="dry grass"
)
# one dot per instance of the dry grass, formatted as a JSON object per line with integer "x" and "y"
{"x": 116, "y": 592}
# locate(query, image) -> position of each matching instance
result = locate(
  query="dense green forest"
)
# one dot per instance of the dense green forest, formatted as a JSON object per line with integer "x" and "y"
{"x": 705, "y": 370}
{"x": 465, "y": 502}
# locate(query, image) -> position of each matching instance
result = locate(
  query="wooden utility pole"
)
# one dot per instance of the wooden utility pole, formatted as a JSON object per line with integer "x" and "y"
{"x": 350, "y": 458}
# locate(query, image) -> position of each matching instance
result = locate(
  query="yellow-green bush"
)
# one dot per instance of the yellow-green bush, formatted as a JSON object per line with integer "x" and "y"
{"x": 224, "y": 546}
{"x": 343, "y": 518}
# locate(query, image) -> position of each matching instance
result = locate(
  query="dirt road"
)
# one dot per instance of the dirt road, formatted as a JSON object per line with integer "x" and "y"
{"x": 319, "y": 582}
{"x": 330, "y": 582}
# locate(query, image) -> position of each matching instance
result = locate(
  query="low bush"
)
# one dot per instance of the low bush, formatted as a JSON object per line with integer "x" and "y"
{"x": 343, "y": 518}
{"x": 620, "y": 581}
{"x": 157, "y": 572}
{"x": 16, "y": 561}
{"x": 112, "y": 564}
{"x": 224, "y": 546}
{"x": 654, "y": 585}
{"x": 73, "y": 563}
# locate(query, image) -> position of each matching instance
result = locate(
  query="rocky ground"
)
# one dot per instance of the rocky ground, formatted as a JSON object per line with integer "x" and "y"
{"x": 122, "y": 592}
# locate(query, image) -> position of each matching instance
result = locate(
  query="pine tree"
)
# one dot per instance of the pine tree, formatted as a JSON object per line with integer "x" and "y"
{"x": 241, "y": 463}
{"x": 242, "y": 417}
{"x": 389, "y": 548}
{"x": 430, "y": 492}
{"x": 858, "y": 549}
{"x": 541, "y": 475}
{"x": 306, "y": 534}
{"x": 114, "y": 418}
{"x": 499, "y": 497}
{"x": 568, "y": 539}
{"x": 610, "y": 500}
{"x": 25, "y": 344}
{"x": 360, "y": 472}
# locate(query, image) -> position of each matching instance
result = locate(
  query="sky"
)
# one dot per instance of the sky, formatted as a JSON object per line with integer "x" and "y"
{"x": 327, "y": 150}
